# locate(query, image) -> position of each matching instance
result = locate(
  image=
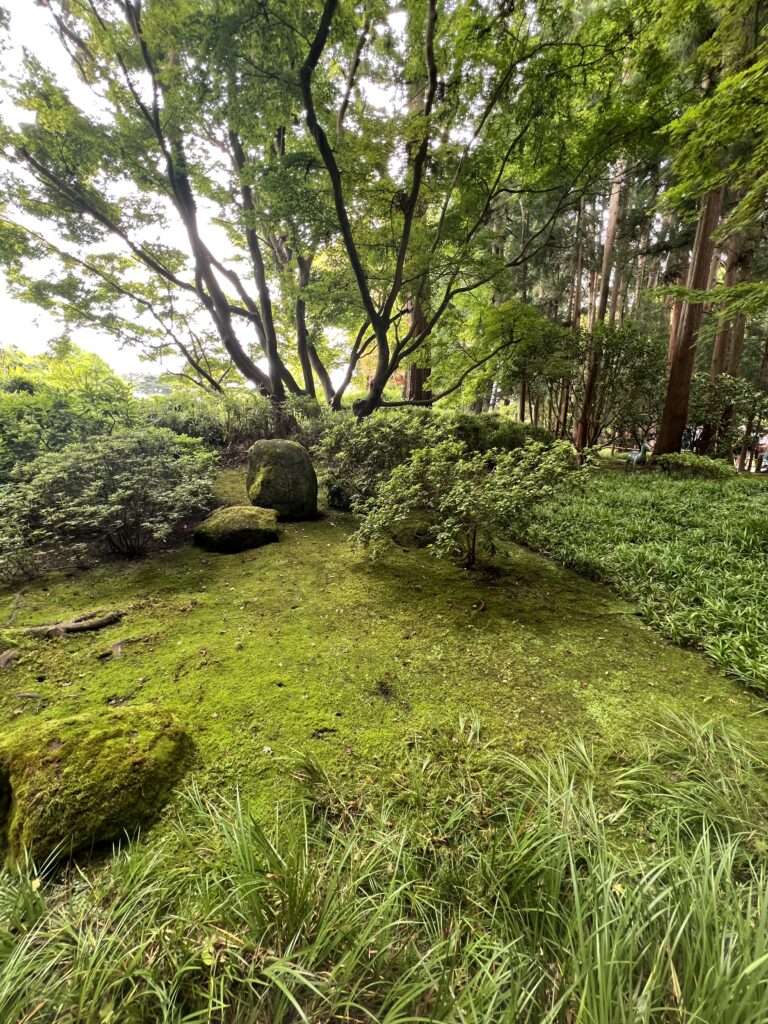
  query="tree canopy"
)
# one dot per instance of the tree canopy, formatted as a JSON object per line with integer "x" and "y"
{"x": 303, "y": 198}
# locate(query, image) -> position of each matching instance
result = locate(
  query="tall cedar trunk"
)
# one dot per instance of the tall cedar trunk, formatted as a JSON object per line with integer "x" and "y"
{"x": 623, "y": 299}
{"x": 584, "y": 428}
{"x": 522, "y": 400}
{"x": 618, "y": 284}
{"x": 738, "y": 269}
{"x": 675, "y": 414}
{"x": 561, "y": 429}
{"x": 675, "y": 315}
{"x": 416, "y": 377}
{"x": 642, "y": 264}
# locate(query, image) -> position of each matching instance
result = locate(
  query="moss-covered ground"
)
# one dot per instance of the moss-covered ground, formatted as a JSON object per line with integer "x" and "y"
{"x": 305, "y": 645}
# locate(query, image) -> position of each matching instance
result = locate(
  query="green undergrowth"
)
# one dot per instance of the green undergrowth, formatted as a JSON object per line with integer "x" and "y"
{"x": 463, "y": 884}
{"x": 306, "y": 646}
{"x": 692, "y": 553}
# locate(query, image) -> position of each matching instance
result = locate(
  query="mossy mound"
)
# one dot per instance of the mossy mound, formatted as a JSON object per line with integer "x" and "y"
{"x": 69, "y": 784}
{"x": 237, "y": 528}
{"x": 281, "y": 476}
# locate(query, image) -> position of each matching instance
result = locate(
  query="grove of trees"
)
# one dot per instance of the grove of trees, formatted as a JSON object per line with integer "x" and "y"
{"x": 558, "y": 206}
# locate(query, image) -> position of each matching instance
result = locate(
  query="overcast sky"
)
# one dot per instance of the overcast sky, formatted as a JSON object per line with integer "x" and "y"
{"x": 21, "y": 323}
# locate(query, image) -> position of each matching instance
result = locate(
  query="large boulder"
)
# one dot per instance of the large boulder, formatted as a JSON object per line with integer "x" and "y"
{"x": 237, "y": 528}
{"x": 67, "y": 785}
{"x": 281, "y": 476}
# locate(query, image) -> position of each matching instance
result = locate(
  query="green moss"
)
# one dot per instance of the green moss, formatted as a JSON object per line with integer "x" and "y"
{"x": 237, "y": 528}
{"x": 281, "y": 476}
{"x": 307, "y": 646}
{"x": 73, "y": 782}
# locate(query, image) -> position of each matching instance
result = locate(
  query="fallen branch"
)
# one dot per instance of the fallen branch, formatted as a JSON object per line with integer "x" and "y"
{"x": 7, "y": 658}
{"x": 80, "y": 624}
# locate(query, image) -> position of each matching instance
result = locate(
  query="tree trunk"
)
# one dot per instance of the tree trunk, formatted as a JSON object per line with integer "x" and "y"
{"x": 592, "y": 372}
{"x": 302, "y": 335}
{"x": 592, "y": 302}
{"x": 677, "y": 308}
{"x": 675, "y": 414}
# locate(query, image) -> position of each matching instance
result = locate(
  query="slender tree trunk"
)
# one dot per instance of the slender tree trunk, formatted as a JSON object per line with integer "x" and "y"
{"x": 615, "y": 296}
{"x": 677, "y": 309}
{"x": 675, "y": 414}
{"x": 592, "y": 372}
{"x": 522, "y": 400}
{"x": 302, "y": 335}
{"x": 416, "y": 377}
{"x": 415, "y": 386}
{"x": 592, "y": 300}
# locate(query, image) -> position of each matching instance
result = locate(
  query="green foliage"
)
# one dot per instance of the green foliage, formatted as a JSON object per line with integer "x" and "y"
{"x": 50, "y": 401}
{"x": 238, "y": 417}
{"x": 127, "y": 490}
{"x": 693, "y": 553}
{"x": 360, "y": 455}
{"x": 688, "y": 465}
{"x": 481, "y": 433}
{"x": 467, "y": 885}
{"x": 465, "y": 502}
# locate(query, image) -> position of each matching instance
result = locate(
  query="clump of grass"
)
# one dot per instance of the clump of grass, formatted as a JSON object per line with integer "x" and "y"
{"x": 692, "y": 553}
{"x": 468, "y": 885}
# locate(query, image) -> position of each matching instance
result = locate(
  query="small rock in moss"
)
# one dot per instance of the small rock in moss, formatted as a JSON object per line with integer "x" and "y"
{"x": 281, "y": 476}
{"x": 237, "y": 528}
{"x": 67, "y": 785}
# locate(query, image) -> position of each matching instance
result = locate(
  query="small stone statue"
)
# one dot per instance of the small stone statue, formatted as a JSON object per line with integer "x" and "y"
{"x": 635, "y": 459}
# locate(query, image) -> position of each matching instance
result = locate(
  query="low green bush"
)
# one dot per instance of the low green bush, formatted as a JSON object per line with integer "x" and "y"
{"x": 237, "y": 418}
{"x": 463, "y": 502}
{"x": 482, "y": 432}
{"x": 359, "y": 456}
{"x": 125, "y": 491}
{"x": 51, "y": 410}
{"x": 688, "y": 465}
{"x": 464, "y": 884}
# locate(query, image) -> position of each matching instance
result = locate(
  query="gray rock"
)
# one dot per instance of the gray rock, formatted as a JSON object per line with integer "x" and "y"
{"x": 237, "y": 528}
{"x": 281, "y": 476}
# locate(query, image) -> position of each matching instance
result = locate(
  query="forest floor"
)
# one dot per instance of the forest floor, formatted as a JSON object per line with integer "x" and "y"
{"x": 306, "y": 645}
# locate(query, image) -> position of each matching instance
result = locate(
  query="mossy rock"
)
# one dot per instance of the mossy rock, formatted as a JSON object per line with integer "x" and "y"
{"x": 281, "y": 476}
{"x": 70, "y": 784}
{"x": 237, "y": 528}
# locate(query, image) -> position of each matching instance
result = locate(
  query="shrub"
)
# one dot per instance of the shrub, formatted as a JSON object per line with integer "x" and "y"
{"x": 688, "y": 465}
{"x": 127, "y": 490}
{"x": 359, "y": 456}
{"x": 222, "y": 421}
{"x": 237, "y": 418}
{"x": 480, "y": 433}
{"x": 464, "y": 501}
{"x": 17, "y": 559}
{"x": 64, "y": 400}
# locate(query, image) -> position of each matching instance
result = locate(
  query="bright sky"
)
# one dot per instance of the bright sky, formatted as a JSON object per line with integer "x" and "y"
{"x": 23, "y": 324}
{"x": 26, "y": 325}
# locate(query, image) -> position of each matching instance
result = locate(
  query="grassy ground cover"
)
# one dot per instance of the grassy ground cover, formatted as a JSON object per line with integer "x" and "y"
{"x": 306, "y": 645}
{"x": 466, "y": 884}
{"x": 599, "y": 859}
{"x": 692, "y": 553}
